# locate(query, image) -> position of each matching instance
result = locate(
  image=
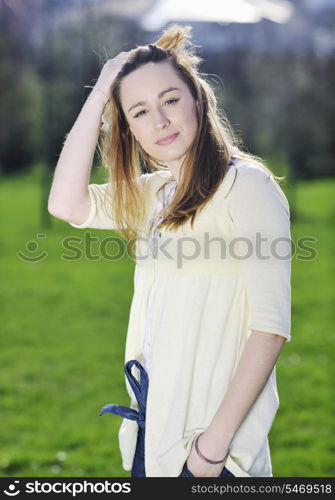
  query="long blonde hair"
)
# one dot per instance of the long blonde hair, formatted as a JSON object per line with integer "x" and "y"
{"x": 206, "y": 161}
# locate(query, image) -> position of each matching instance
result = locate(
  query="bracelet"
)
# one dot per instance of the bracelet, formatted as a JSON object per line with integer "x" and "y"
{"x": 207, "y": 459}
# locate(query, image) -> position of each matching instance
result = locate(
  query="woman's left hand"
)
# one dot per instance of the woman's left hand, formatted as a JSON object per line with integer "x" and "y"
{"x": 209, "y": 448}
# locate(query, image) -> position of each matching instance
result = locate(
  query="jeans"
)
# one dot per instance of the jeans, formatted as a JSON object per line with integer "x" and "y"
{"x": 140, "y": 389}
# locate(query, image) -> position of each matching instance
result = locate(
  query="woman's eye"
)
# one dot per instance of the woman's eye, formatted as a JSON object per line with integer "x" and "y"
{"x": 139, "y": 114}
{"x": 171, "y": 101}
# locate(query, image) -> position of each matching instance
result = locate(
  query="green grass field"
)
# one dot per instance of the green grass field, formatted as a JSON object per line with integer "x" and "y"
{"x": 64, "y": 325}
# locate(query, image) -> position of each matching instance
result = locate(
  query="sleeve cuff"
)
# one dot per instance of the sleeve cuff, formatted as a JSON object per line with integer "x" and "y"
{"x": 276, "y": 331}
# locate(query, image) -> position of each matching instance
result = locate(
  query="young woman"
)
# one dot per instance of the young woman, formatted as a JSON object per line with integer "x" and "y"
{"x": 211, "y": 231}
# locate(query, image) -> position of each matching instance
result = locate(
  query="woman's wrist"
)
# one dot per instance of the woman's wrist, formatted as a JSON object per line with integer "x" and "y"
{"x": 99, "y": 95}
{"x": 213, "y": 446}
{"x": 211, "y": 461}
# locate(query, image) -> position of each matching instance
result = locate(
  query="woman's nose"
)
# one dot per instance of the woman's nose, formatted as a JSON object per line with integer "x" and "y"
{"x": 160, "y": 119}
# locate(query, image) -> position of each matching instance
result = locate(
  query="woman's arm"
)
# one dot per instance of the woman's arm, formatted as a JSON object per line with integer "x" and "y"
{"x": 69, "y": 196}
{"x": 259, "y": 211}
{"x": 69, "y": 190}
{"x": 254, "y": 368}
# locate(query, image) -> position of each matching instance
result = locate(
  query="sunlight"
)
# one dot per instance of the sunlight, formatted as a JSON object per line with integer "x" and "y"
{"x": 220, "y": 11}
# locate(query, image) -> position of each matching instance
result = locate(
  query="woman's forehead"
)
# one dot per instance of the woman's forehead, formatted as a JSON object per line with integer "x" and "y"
{"x": 148, "y": 80}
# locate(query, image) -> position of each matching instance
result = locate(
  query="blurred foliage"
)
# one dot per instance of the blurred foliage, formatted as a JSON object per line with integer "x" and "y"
{"x": 20, "y": 136}
{"x": 281, "y": 103}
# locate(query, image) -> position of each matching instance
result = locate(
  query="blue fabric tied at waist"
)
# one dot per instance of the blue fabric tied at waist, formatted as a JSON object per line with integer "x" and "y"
{"x": 140, "y": 390}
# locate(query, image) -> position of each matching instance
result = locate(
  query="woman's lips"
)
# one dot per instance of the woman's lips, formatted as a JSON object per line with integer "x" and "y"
{"x": 167, "y": 140}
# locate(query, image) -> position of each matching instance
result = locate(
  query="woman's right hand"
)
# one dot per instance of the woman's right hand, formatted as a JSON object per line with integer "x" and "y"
{"x": 109, "y": 72}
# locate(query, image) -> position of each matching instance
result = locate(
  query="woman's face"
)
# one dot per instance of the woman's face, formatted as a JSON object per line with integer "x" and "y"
{"x": 158, "y": 105}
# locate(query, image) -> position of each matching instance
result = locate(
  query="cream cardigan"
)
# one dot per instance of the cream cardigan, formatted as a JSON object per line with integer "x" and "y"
{"x": 212, "y": 284}
{"x": 165, "y": 196}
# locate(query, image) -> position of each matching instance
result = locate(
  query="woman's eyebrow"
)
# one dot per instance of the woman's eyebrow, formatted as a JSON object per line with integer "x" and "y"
{"x": 142, "y": 103}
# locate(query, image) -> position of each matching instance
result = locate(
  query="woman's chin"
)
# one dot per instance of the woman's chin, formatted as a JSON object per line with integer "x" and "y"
{"x": 172, "y": 157}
